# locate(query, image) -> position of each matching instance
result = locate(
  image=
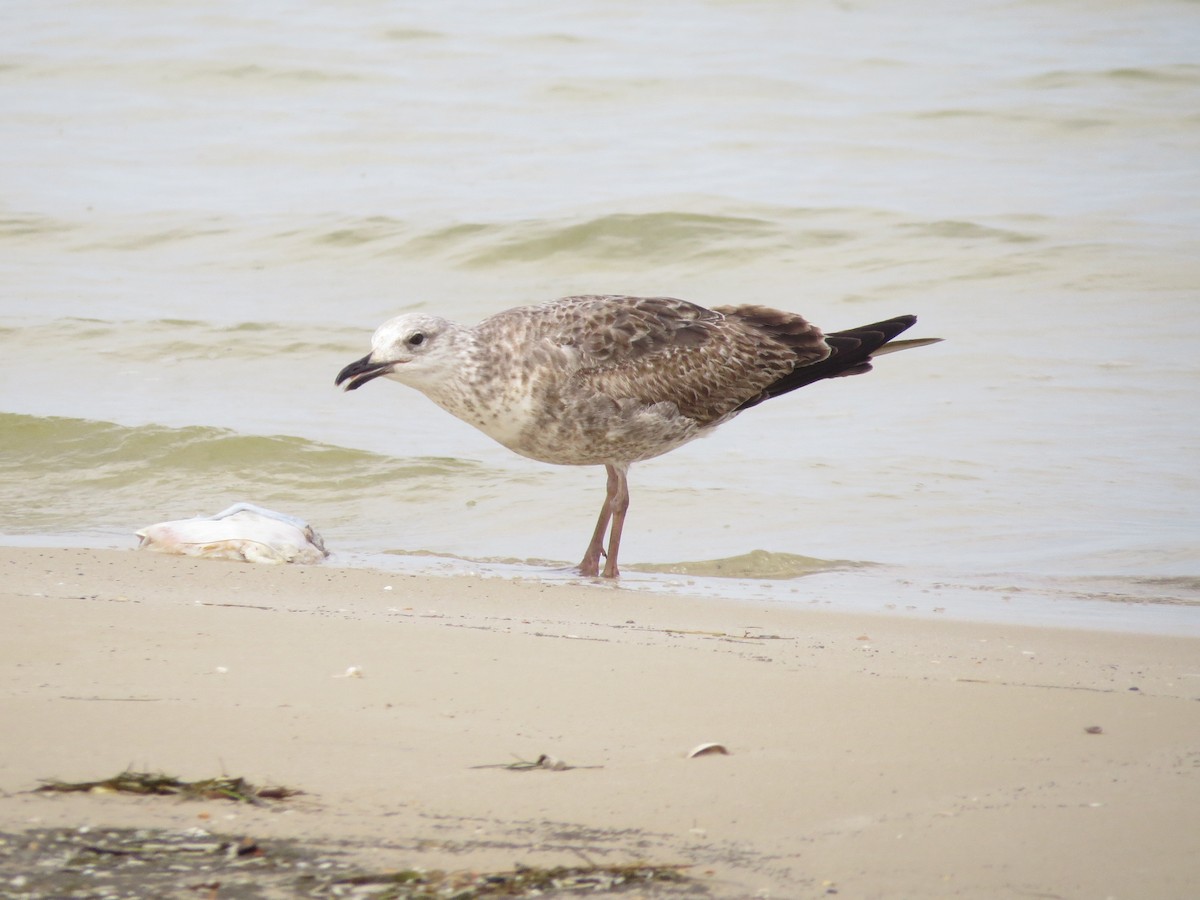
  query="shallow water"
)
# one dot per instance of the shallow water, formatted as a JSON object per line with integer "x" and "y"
{"x": 207, "y": 210}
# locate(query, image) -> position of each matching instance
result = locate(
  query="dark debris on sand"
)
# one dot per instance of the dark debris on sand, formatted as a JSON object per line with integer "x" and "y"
{"x": 224, "y": 787}
{"x": 123, "y": 864}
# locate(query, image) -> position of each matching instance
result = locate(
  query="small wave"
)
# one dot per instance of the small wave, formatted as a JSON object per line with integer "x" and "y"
{"x": 755, "y": 564}
{"x": 662, "y": 236}
{"x": 255, "y": 72}
{"x": 1175, "y": 74}
{"x": 1182, "y": 74}
{"x": 713, "y": 233}
{"x": 68, "y": 474}
{"x": 155, "y": 238}
{"x": 135, "y": 233}
{"x": 619, "y": 237}
{"x": 362, "y": 231}
{"x": 991, "y": 117}
{"x": 635, "y": 236}
{"x": 30, "y": 226}
{"x": 968, "y": 231}
{"x": 411, "y": 34}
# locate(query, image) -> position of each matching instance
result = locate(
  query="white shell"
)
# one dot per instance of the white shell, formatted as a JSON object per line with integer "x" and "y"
{"x": 242, "y": 532}
{"x": 708, "y": 750}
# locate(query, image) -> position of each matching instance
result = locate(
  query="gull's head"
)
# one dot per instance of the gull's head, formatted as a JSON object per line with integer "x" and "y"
{"x": 414, "y": 349}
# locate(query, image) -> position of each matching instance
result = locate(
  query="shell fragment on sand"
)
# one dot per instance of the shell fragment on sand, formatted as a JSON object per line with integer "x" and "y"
{"x": 242, "y": 532}
{"x": 709, "y": 749}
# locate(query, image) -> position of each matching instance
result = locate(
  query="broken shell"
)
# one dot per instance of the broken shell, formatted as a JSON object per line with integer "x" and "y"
{"x": 351, "y": 672}
{"x": 708, "y": 750}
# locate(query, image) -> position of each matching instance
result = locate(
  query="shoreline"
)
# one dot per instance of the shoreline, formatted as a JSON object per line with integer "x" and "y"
{"x": 1114, "y": 603}
{"x": 880, "y": 755}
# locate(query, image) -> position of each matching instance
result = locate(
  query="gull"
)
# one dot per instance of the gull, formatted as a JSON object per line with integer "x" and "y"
{"x": 610, "y": 380}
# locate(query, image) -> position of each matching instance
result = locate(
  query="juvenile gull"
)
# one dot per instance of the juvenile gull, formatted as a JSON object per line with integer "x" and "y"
{"x": 606, "y": 380}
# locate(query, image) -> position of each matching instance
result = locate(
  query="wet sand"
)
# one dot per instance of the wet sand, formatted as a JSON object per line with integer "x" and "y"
{"x": 874, "y": 756}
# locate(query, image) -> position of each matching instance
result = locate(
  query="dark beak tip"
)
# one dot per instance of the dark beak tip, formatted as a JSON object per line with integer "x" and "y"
{"x": 348, "y": 372}
{"x": 359, "y": 373}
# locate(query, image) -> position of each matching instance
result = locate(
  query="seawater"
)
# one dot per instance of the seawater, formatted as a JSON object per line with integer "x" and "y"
{"x": 208, "y": 208}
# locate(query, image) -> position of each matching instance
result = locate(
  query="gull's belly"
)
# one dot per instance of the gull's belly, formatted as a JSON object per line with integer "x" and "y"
{"x": 568, "y": 425}
{"x": 600, "y": 431}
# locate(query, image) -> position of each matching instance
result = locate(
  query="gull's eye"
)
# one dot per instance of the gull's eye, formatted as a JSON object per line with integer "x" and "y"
{"x": 416, "y": 339}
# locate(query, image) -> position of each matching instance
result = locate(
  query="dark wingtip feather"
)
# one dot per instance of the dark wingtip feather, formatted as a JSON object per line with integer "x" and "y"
{"x": 851, "y": 354}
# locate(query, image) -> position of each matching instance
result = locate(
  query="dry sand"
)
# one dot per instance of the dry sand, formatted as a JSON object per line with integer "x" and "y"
{"x": 871, "y": 756}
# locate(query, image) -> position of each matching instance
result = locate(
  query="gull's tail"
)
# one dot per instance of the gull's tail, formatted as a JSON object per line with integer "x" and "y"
{"x": 851, "y": 352}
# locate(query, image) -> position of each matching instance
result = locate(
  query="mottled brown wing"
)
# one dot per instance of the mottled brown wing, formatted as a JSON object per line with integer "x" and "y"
{"x": 850, "y": 353}
{"x": 659, "y": 349}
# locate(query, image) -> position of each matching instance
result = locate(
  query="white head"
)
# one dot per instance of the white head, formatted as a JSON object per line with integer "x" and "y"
{"x": 414, "y": 349}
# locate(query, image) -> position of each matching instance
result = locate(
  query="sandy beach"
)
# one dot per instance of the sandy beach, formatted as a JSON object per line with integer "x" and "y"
{"x": 945, "y": 617}
{"x": 871, "y": 756}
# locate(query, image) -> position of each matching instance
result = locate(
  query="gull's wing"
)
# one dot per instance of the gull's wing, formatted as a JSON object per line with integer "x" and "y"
{"x": 654, "y": 350}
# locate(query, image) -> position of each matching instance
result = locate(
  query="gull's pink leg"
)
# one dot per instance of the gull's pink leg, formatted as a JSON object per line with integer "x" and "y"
{"x": 590, "y": 566}
{"x": 618, "y": 504}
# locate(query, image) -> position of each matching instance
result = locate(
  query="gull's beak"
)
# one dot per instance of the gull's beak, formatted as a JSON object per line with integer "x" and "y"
{"x": 361, "y": 371}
